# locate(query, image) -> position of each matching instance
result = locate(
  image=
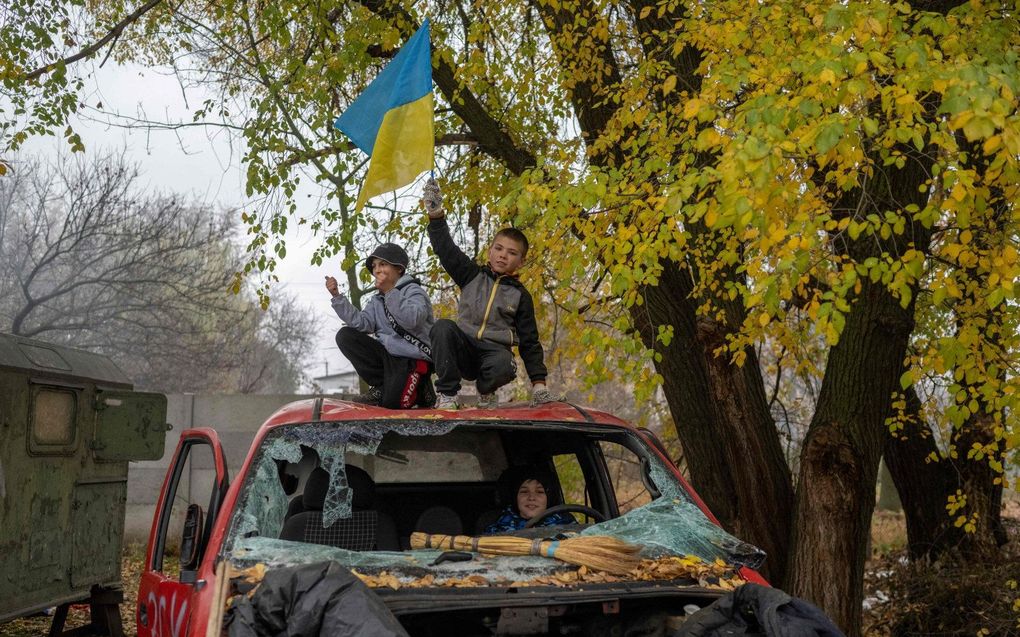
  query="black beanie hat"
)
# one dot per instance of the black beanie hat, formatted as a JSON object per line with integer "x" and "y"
{"x": 390, "y": 253}
{"x": 510, "y": 481}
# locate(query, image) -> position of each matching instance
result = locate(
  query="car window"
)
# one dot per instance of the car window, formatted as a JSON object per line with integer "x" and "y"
{"x": 571, "y": 478}
{"x": 342, "y": 518}
{"x": 459, "y": 456}
{"x": 194, "y": 482}
{"x": 625, "y": 473}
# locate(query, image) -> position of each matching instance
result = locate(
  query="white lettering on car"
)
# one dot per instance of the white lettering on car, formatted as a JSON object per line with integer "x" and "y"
{"x": 174, "y": 626}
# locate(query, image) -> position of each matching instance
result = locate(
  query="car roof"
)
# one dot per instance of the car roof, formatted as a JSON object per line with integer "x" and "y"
{"x": 332, "y": 409}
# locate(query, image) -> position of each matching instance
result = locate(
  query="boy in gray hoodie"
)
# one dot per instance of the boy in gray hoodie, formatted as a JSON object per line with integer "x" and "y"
{"x": 388, "y": 342}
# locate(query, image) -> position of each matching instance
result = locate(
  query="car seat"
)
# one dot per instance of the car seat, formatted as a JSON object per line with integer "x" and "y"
{"x": 439, "y": 519}
{"x": 365, "y": 530}
{"x": 296, "y": 506}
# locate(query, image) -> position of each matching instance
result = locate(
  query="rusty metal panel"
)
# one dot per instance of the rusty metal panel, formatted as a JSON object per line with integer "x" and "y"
{"x": 64, "y": 446}
{"x": 34, "y": 551}
{"x": 129, "y": 426}
{"x": 46, "y": 542}
{"x": 97, "y": 527}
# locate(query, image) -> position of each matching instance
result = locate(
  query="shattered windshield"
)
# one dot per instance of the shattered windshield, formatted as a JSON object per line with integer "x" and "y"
{"x": 266, "y": 501}
{"x": 355, "y": 493}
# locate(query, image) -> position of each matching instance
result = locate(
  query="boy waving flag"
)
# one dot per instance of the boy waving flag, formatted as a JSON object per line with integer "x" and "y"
{"x": 392, "y": 119}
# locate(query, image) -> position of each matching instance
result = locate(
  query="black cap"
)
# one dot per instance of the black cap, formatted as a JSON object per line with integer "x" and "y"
{"x": 390, "y": 253}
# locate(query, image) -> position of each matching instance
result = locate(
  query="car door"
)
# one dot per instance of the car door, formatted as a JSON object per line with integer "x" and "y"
{"x": 192, "y": 493}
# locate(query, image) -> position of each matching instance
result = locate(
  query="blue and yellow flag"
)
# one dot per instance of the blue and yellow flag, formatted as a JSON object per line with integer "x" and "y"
{"x": 392, "y": 119}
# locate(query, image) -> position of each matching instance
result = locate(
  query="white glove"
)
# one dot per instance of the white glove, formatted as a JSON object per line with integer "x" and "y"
{"x": 540, "y": 396}
{"x": 433, "y": 199}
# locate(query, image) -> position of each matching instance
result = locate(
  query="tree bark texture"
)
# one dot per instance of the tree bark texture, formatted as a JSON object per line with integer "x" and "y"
{"x": 848, "y": 431}
{"x": 926, "y": 485}
{"x": 839, "y": 461}
{"x": 721, "y": 415}
{"x": 977, "y": 482}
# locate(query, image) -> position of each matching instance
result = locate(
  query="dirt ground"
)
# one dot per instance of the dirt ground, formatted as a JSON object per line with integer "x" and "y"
{"x": 901, "y": 600}
{"x": 944, "y": 599}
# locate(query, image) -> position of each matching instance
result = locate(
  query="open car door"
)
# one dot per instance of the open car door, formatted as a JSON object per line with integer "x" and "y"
{"x": 193, "y": 491}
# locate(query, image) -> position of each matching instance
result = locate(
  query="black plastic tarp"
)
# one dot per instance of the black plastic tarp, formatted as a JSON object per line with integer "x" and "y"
{"x": 312, "y": 600}
{"x": 754, "y": 610}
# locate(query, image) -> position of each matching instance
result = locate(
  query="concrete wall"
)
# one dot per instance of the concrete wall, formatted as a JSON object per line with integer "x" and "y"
{"x": 236, "y": 419}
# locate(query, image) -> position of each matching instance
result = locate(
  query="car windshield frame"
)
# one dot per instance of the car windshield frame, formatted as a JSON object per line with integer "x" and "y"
{"x": 261, "y": 503}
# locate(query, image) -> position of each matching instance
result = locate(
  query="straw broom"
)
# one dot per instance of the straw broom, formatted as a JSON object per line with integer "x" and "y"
{"x": 597, "y": 552}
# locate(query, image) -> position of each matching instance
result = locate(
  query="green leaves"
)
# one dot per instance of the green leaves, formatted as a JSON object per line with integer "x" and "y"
{"x": 828, "y": 137}
{"x": 821, "y": 154}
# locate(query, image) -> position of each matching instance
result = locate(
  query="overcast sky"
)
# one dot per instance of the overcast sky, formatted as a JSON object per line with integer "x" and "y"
{"x": 199, "y": 162}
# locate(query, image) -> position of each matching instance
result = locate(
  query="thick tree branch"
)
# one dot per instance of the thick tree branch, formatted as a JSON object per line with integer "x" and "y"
{"x": 490, "y": 134}
{"x": 112, "y": 34}
{"x": 594, "y": 71}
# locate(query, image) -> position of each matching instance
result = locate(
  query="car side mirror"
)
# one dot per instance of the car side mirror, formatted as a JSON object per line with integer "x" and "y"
{"x": 191, "y": 541}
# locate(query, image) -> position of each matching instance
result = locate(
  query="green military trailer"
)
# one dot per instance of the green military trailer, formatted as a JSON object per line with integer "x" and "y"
{"x": 69, "y": 424}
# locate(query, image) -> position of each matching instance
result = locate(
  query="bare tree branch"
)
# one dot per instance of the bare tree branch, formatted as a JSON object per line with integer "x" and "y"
{"x": 88, "y": 261}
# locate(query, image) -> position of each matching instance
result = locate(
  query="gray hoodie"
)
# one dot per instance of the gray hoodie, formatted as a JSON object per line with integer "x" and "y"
{"x": 408, "y": 304}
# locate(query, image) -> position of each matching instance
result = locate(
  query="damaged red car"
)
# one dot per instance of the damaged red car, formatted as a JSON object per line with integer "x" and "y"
{"x": 349, "y": 491}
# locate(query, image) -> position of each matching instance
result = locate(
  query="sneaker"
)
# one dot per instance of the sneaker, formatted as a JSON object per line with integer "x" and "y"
{"x": 445, "y": 401}
{"x": 372, "y": 397}
{"x": 488, "y": 401}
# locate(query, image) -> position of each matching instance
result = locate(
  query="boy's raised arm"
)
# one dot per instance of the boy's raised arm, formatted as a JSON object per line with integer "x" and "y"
{"x": 460, "y": 266}
{"x": 349, "y": 314}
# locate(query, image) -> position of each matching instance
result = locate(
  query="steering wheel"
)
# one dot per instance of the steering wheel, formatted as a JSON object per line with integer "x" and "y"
{"x": 566, "y": 508}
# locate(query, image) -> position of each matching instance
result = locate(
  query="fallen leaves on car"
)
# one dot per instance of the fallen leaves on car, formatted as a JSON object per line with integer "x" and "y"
{"x": 252, "y": 574}
{"x": 717, "y": 575}
{"x": 384, "y": 579}
{"x": 713, "y": 575}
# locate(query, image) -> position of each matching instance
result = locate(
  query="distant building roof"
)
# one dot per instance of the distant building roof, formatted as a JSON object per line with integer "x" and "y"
{"x": 339, "y": 376}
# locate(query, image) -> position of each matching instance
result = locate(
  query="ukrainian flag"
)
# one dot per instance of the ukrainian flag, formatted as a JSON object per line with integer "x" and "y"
{"x": 392, "y": 119}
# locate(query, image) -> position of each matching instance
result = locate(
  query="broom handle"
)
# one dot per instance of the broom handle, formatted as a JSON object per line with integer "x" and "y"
{"x": 618, "y": 559}
{"x": 542, "y": 548}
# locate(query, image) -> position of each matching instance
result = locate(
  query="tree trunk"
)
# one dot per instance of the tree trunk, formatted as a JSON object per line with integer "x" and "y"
{"x": 978, "y": 431}
{"x": 722, "y": 419}
{"x": 925, "y": 486}
{"x": 931, "y": 531}
{"x": 922, "y": 484}
{"x": 839, "y": 461}
{"x": 977, "y": 483}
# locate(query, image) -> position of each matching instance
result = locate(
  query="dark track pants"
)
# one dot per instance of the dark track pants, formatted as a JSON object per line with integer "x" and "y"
{"x": 458, "y": 356}
{"x": 405, "y": 382}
